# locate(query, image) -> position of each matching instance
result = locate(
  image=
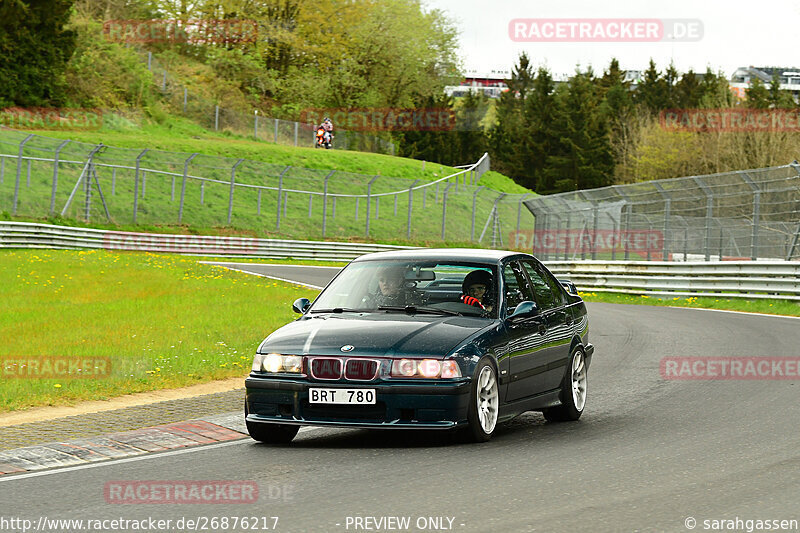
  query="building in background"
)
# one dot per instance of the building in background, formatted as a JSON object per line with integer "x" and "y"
{"x": 744, "y": 76}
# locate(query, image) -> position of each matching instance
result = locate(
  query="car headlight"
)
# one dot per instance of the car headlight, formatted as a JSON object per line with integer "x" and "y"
{"x": 425, "y": 368}
{"x": 277, "y": 363}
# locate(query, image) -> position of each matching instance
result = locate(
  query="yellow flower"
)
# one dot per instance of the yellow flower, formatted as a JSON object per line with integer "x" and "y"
{"x": 57, "y": 385}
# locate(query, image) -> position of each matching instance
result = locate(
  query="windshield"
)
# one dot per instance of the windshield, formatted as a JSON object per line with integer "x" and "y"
{"x": 430, "y": 287}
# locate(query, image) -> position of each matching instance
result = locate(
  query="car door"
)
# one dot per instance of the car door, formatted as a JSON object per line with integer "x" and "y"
{"x": 557, "y": 319}
{"x": 525, "y": 337}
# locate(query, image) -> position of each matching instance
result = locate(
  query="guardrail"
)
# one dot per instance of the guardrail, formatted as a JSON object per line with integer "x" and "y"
{"x": 31, "y": 235}
{"x": 726, "y": 279}
{"x": 722, "y": 279}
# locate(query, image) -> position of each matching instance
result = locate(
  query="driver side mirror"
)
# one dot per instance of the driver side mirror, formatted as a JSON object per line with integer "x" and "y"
{"x": 301, "y": 305}
{"x": 526, "y": 309}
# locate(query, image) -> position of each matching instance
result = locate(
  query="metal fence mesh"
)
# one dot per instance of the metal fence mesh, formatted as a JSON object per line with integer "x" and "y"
{"x": 749, "y": 214}
{"x": 753, "y": 214}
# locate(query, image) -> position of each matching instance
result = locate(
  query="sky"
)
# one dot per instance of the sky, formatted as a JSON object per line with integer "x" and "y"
{"x": 736, "y": 33}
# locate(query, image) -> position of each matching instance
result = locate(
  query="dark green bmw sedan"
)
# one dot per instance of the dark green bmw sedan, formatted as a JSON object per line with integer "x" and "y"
{"x": 429, "y": 339}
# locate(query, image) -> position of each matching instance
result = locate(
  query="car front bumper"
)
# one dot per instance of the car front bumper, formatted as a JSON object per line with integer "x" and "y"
{"x": 399, "y": 405}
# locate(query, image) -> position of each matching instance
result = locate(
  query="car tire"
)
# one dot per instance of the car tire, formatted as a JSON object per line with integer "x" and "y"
{"x": 573, "y": 391}
{"x": 484, "y": 403}
{"x": 270, "y": 433}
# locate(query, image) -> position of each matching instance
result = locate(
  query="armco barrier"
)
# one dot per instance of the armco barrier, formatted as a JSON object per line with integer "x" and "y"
{"x": 721, "y": 279}
{"x": 30, "y": 235}
{"x": 726, "y": 279}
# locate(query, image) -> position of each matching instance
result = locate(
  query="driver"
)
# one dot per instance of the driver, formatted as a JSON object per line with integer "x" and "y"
{"x": 477, "y": 289}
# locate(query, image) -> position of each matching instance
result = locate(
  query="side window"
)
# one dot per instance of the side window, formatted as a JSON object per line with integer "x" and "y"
{"x": 516, "y": 286}
{"x": 547, "y": 289}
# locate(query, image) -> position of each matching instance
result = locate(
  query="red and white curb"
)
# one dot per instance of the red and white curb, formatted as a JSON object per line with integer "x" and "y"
{"x": 123, "y": 444}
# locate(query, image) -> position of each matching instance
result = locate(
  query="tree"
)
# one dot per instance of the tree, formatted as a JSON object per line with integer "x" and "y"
{"x": 541, "y": 114}
{"x": 689, "y": 91}
{"x": 651, "y": 91}
{"x": 34, "y": 50}
{"x": 505, "y": 138}
{"x": 778, "y": 97}
{"x": 757, "y": 95}
{"x": 469, "y": 124}
{"x": 582, "y": 157}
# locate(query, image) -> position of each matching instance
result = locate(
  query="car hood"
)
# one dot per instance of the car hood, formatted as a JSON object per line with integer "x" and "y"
{"x": 374, "y": 334}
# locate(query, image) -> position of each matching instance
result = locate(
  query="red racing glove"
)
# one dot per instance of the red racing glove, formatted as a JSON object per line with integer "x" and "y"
{"x": 471, "y": 300}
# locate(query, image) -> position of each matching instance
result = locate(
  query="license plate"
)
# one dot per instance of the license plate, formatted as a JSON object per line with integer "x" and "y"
{"x": 342, "y": 396}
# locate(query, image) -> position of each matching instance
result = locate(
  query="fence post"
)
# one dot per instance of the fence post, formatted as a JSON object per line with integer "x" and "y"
{"x": 369, "y": 200}
{"x": 233, "y": 184}
{"x": 310, "y": 202}
{"x": 296, "y": 127}
{"x": 444, "y": 207}
{"x": 519, "y": 209}
{"x": 113, "y": 181}
{"x": 280, "y": 192}
{"x": 324, "y": 194}
{"x": 216, "y": 118}
{"x": 149, "y": 60}
{"x": 410, "y": 204}
{"x": 756, "y": 214}
{"x": 136, "y": 184}
{"x": 357, "y": 206}
{"x": 474, "y": 205}
{"x": 628, "y": 209}
{"x": 183, "y": 185}
{"x": 258, "y": 209}
{"x": 276, "y": 131}
{"x": 709, "y": 213}
{"x": 19, "y": 171}
{"x": 255, "y": 124}
{"x": 202, "y": 191}
{"x": 185, "y": 95}
{"x": 55, "y": 178}
{"x": 667, "y": 208}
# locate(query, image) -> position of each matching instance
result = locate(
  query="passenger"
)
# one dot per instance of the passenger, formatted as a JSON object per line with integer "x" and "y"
{"x": 477, "y": 289}
{"x": 390, "y": 285}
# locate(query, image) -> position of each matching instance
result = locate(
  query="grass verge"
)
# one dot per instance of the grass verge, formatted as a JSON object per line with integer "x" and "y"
{"x": 771, "y": 307}
{"x": 165, "y": 321}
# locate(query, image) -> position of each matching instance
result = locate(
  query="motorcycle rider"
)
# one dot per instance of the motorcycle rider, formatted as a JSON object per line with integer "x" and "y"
{"x": 325, "y": 133}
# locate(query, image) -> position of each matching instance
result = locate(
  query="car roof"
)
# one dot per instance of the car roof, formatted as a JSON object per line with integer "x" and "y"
{"x": 442, "y": 254}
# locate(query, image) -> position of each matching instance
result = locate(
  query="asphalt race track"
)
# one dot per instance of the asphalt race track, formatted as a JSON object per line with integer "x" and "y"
{"x": 647, "y": 455}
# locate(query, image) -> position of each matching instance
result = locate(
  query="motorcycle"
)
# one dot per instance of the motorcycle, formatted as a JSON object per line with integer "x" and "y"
{"x": 324, "y": 138}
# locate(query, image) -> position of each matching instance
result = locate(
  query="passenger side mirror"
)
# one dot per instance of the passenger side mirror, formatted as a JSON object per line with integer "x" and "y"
{"x": 526, "y": 309}
{"x": 301, "y": 305}
{"x": 571, "y": 288}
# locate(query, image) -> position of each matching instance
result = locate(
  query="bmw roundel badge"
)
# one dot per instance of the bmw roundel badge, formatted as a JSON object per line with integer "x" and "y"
{"x": 347, "y": 348}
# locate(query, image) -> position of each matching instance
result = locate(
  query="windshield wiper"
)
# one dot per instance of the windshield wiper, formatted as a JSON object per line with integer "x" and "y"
{"x": 410, "y": 309}
{"x": 338, "y": 310}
